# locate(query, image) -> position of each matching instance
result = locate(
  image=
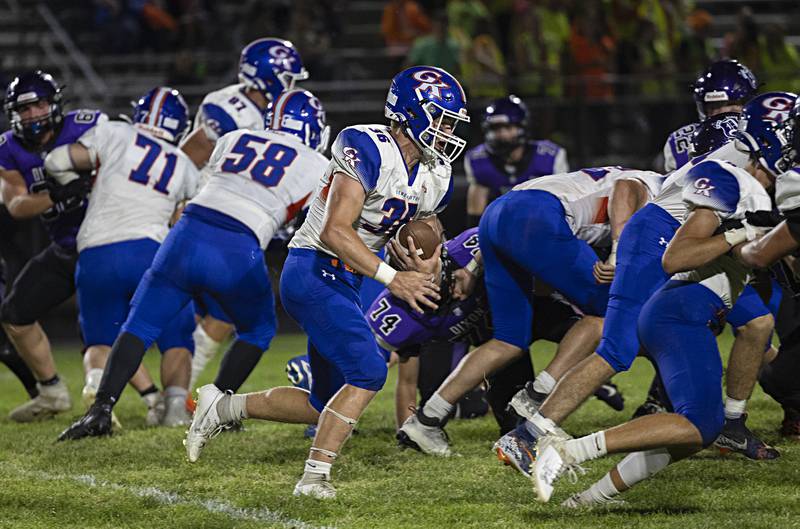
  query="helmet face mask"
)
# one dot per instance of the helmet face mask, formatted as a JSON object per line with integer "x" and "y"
{"x": 438, "y": 139}
{"x": 27, "y": 95}
{"x": 508, "y": 113}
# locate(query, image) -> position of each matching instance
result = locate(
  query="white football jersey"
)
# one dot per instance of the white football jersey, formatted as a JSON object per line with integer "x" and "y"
{"x": 261, "y": 178}
{"x": 585, "y": 193}
{"x": 671, "y": 199}
{"x": 730, "y": 192}
{"x": 228, "y": 109}
{"x": 140, "y": 179}
{"x": 369, "y": 154}
{"x": 787, "y": 190}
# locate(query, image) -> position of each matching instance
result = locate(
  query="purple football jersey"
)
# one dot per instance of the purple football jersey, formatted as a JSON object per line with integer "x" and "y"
{"x": 396, "y": 325}
{"x": 61, "y": 225}
{"x": 541, "y": 158}
{"x": 678, "y": 147}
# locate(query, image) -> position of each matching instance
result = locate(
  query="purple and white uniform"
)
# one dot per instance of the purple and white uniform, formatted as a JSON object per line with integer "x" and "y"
{"x": 61, "y": 225}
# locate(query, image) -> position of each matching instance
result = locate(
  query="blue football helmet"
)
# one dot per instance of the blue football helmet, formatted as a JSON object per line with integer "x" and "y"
{"x": 505, "y": 111}
{"x": 298, "y": 112}
{"x": 761, "y": 130}
{"x": 271, "y": 66}
{"x": 28, "y": 88}
{"x": 713, "y": 133}
{"x": 423, "y": 100}
{"x": 724, "y": 81}
{"x": 163, "y": 113}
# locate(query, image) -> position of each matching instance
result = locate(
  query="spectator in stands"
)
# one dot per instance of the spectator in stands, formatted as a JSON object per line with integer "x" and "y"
{"x": 484, "y": 67}
{"x": 402, "y": 22}
{"x": 438, "y": 48}
{"x": 653, "y": 62}
{"x": 744, "y": 44}
{"x": 780, "y": 62}
{"x": 466, "y": 14}
{"x": 695, "y": 51}
{"x": 591, "y": 50}
{"x": 540, "y": 37}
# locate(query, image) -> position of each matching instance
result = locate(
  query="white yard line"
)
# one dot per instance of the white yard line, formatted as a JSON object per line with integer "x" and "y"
{"x": 171, "y": 498}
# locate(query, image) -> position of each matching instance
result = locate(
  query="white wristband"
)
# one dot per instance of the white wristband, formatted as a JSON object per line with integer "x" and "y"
{"x": 735, "y": 236}
{"x": 612, "y": 257}
{"x": 385, "y": 274}
{"x": 474, "y": 268}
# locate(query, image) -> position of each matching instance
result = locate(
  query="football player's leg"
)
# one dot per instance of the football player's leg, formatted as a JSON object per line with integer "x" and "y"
{"x": 176, "y": 345}
{"x": 46, "y": 281}
{"x": 251, "y": 306}
{"x": 213, "y": 328}
{"x": 674, "y": 329}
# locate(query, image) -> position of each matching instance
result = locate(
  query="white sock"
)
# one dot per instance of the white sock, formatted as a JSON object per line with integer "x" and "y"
{"x": 232, "y": 408}
{"x": 205, "y": 347}
{"x": 93, "y": 377}
{"x": 588, "y": 447}
{"x": 540, "y": 425}
{"x": 317, "y": 467}
{"x": 734, "y": 408}
{"x": 544, "y": 383}
{"x": 175, "y": 392}
{"x": 602, "y": 491}
{"x": 641, "y": 465}
{"x": 437, "y": 407}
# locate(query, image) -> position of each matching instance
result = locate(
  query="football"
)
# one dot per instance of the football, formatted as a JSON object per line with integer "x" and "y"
{"x": 425, "y": 238}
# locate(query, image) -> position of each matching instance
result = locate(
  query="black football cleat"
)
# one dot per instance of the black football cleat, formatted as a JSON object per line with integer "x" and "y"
{"x": 791, "y": 423}
{"x": 737, "y": 437}
{"x": 95, "y": 423}
{"x": 609, "y": 394}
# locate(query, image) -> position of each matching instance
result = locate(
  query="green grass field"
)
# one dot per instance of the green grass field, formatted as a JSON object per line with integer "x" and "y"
{"x": 140, "y": 477}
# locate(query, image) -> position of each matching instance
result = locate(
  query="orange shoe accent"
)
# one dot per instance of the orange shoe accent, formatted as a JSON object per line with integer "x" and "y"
{"x": 502, "y": 457}
{"x": 191, "y": 404}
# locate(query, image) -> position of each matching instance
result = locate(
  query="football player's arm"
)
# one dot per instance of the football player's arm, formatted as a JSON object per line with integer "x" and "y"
{"x": 405, "y": 395}
{"x": 198, "y": 147}
{"x": 345, "y": 202}
{"x": 477, "y": 200}
{"x": 695, "y": 244}
{"x": 626, "y": 198}
{"x": 20, "y": 203}
{"x": 779, "y": 242}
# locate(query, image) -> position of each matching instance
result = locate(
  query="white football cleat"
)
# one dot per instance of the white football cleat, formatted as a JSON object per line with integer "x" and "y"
{"x": 582, "y": 500}
{"x": 524, "y": 404}
{"x": 50, "y": 401}
{"x": 315, "y": 485}
{"x": 88, "y": 394}
{"x": 552, "y": 461}
{"x": 206, "y": 423}
{"x": 427, "y": 439}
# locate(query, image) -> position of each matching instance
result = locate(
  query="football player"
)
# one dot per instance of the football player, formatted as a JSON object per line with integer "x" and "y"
{"x": 380, "y": 177}
{"x": 260, "y": 180}
{"x": 33, "y": 105}
{"x": 141, "y": 178}
{"x": 678, "y": 327}
{"x": 508, "y": 156}
{"x": 540, "y": 230}
{"x": 267, "y": 67}
{"x": 638, "y": 276}
{"x": 722, "y": 89}
{"x": 466, "y": 320}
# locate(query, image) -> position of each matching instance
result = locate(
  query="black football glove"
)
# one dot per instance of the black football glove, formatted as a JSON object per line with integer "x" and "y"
{"x": 763, "y": 218}
{"x": 75, "y": 190}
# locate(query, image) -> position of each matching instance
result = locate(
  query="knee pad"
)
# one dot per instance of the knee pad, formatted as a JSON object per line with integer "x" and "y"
{"x": 708, "y": 422}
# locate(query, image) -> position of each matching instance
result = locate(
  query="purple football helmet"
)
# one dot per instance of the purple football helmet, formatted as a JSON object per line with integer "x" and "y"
{"x": 724, "y": 81}
{"x": 505, "y": 111}
{"x": 27, "y": 88}
{"x": 713, "y": 133}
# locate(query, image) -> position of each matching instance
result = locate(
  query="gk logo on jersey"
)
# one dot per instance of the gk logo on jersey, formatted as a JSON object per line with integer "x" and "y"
{"x": 702, "y": 186}
{"x": 351, "y": 156}
{"x": 429, "y": 81}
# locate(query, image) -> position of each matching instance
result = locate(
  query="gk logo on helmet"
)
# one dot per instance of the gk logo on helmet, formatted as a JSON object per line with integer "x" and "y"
{"x": 282, "y": 53}
{"x": 430, "y": 81}
{"x": 779, "y": 108}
